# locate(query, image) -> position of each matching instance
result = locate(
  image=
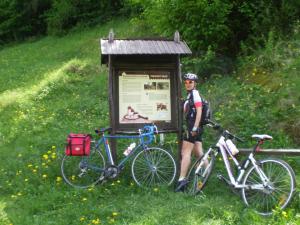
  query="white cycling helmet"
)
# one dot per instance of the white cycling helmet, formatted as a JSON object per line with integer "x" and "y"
{"x": 190, "y": 76}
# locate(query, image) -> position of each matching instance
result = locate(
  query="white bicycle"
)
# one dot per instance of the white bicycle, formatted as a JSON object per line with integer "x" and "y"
{"x": 267, "y": 184}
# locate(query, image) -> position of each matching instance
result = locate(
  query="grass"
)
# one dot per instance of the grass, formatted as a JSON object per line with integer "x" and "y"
{"x": 54, "y": 86}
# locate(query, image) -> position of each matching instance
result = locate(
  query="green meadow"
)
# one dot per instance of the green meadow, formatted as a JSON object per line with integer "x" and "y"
{"x": 52, "y": 86}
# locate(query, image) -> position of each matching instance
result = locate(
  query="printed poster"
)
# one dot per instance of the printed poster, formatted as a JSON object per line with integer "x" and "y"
{"x": 144, "y": 98}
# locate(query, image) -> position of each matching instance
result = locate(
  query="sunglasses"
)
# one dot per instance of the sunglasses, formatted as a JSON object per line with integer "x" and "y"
{"x": 188, "y": 82}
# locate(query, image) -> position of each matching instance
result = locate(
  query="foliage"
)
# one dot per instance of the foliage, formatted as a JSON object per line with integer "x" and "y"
{"x": 222, "y": 25}
{"x": 22, "y": 18}
{"x": 66, "y": 14}
{"x": 274, "y": 68}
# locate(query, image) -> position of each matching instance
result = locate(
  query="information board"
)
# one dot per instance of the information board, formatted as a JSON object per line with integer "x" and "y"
{"x": 144, "y": 98}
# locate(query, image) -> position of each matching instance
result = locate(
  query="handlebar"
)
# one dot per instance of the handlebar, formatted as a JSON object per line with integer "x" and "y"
{"x": 225, "y": 133}
{"x": 148, "y": 130}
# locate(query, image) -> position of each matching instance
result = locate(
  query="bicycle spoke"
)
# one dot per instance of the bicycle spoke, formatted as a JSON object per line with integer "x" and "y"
{"x": 276, "y": 193}
{"x": 157, "y": 163}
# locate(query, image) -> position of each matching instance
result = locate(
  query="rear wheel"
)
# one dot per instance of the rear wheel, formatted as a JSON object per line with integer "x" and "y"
{"x": 153, "y": 167}
{"x": 277, "y": 193}
{"x": 199, "y": 174}
{"x": 83, "y": 171}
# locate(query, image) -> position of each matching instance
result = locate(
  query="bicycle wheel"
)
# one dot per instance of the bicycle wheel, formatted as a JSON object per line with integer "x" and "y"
{"x": 83, "y": 171}
{"x": 199, "y": 174}
{"x": 153, "y": 167}
{"x": 277, "y": 193}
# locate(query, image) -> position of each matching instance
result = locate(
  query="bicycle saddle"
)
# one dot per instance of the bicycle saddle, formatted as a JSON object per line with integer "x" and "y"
{"x": 262, "y": 136}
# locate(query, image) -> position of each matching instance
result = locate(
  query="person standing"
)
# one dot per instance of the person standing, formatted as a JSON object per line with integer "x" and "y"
{"x": 192, "y": 140}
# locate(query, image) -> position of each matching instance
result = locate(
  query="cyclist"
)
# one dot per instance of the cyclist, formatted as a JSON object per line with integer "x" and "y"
{"x": 192, "y": 140}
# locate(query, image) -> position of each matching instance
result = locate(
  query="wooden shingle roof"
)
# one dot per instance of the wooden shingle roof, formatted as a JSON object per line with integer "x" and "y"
{"x": 142, "y": 47}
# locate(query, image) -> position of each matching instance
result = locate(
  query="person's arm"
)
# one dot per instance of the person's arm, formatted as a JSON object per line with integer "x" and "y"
{"x": 198, "y": 106}
{"x": 197, "y": 121}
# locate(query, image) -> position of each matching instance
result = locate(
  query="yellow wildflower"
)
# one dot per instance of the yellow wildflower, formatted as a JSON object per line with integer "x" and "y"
{"x": 44, "y": 176}
{"x": 284, "y": 214}
{"x": 96, "y": 221}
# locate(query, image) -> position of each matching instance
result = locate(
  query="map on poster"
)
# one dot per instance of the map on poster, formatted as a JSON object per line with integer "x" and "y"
{"x": 144, "y": 98}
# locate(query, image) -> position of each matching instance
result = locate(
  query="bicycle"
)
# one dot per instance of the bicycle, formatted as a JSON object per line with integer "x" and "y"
{"x": 151, "y": 166}
{"x": 267, "y": 184}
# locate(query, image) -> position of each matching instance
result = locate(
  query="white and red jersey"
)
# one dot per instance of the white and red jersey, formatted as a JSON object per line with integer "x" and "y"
{"x": 192, "y": 102}
{"x": 193, "y": 99}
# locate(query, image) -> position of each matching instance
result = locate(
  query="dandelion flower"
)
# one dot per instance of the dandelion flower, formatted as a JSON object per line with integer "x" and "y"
{"x": 49, "y": 152}
{"x": 58, "y": 179}
{"x": 96, "y": 221}
{"x": 114, "y": 213}
{"x": 284, "y": 214}
{"x": 45, "y": 156}
{"x": 19, "y": 194}
{"x": 82, "y": 218}
{"x": 84, "y": 199}
{"x": 26, "y": 179}
{"x": 29, "y": 165}
{"x": 44, "y": 176}
{"x": 53, "y": 147}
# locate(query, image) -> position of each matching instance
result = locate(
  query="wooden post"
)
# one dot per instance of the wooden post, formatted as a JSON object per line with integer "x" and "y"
{"x": 292, "y": 152}
{"x": 179, "y": 110}
{"x": 113, "y": 143}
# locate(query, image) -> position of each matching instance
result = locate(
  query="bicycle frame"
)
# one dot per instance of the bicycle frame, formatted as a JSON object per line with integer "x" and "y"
{"x": 236, "y": 182}
{"x": 144, "y": 139}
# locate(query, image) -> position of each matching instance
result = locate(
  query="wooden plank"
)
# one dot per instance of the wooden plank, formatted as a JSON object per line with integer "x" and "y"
{"x": 295, "y": 152}
{"x": 113, "y": 142}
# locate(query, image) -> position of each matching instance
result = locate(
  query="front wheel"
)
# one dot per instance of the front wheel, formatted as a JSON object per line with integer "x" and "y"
{"x": 153, "y": 167}
{"x": 199, "y": 173}
{"x": 83, "y": 171}
{"x": 277, "y": 192}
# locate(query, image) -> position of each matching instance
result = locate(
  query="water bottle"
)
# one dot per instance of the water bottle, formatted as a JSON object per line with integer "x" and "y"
{"x": 233, "y": 149}
{"x": 129, "y": 149}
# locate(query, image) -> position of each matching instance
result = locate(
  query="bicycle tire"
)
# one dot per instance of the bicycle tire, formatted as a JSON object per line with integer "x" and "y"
{"x": 153, "y": 167}
{"x": 76, "y": 172}
{"x": 279, "y": 193}
{"x": 197, "y": 182}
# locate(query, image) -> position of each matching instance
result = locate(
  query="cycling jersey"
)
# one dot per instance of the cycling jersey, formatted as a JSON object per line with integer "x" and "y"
{"x": 192, "y": 102}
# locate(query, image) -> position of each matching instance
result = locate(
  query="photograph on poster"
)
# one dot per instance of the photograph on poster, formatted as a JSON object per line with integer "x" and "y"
{"x": 144, "y": 98}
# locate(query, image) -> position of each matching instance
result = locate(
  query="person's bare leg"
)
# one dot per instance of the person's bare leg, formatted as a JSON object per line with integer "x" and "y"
{"x": 198, "y": 151}
{"x": 186, "y": 152}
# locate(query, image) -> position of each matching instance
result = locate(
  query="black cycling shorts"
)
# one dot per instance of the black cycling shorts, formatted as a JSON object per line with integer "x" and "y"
{"x": 187, "y": 135}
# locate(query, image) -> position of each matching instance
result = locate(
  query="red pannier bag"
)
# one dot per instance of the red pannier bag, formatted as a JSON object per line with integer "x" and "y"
{"x": 78, "y": 144}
